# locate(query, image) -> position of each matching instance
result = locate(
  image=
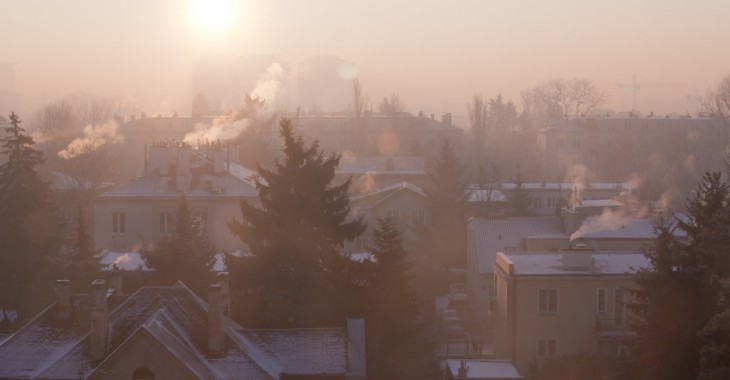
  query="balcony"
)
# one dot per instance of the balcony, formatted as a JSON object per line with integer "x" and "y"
{"x": 457, "y": 293}
{"x": 608, "y": 327}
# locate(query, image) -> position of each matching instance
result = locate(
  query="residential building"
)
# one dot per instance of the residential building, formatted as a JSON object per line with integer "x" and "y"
{"x": 479, "y": 369}
{"x": 549, "y": 304}
{"x": 168, "y": 332}
{"x": 375, "y": 134}
{"x": 141, "y": 212}
{"x": 402, "y": 202}
{"x": 548, "y": 197}
{"x": 371, "y": 173}
{"x": 486, "y": 237}
{"x": 611, "y": 148}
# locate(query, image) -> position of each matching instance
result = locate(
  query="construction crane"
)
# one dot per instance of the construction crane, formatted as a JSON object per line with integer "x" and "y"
{"x": 635, "y": 86}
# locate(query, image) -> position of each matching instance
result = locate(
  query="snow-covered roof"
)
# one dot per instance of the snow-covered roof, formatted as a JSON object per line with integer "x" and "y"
{"x": 550, "y": 263}
{"x": 483, "y": 369}
{"x": 177, "y": 319}
{"x": 602, "y": 227}
{"x": 155, "y": 186}
{"x": 122, "y": 261}
{"x": 382, "y": 165}
{"x": 488, "y": 236}
{"x": 373, "y": 198}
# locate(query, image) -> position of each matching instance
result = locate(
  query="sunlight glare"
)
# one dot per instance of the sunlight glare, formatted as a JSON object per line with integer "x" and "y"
{"x": 212, "y": 16}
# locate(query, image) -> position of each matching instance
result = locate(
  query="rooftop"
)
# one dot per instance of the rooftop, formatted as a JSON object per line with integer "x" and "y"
{"x": 486, "y": 237}
{"x": 371, "y": 199}
{"x": 483, "y": 369}
{"x": 382, "y": 165}
{"x": 550, "y": 263}
{"x": 177, "y": 319}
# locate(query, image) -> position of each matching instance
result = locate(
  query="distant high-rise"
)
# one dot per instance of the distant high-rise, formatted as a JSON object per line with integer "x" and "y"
{"x": 9, "y": 99}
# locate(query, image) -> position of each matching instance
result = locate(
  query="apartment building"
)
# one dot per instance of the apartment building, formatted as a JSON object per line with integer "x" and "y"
{"x": 141, "y": 212}
{"x": 549, "y": 304}
{"x": 613, "y": 147}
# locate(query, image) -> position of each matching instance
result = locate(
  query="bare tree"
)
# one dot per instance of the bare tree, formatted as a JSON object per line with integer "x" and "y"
{"x": 573, "y": 98}
{"x": 717, "y": 102}
{"x": 391, "y": 105}
{"x": 478, "y": 113}
{"x": 359, "y": 99}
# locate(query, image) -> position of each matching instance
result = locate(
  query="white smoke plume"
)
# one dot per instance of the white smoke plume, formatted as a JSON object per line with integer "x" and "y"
{"x": 579, "y": 176}
{"x": 271, "y": 84}
{"x": 608, "y": 220}
{"x": 366, "y": 183}
{"x": 93, "y": 138}
{"x": 224, "y": 127}
{"x": 269, "y": 87}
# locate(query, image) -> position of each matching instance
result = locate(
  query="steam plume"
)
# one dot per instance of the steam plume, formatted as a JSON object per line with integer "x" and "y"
{"x": 93, "y": 138}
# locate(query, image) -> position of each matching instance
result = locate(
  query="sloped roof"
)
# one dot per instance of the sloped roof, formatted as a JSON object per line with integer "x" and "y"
{"x": 155, "y": 186}
{"x": 486, "y": 237}
{"x": 550, "y": 263}
{"x": 372, "y": 199}
{"x": 177, "y": 318}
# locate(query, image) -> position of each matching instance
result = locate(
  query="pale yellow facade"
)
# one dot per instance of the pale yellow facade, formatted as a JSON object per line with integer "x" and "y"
{"x": 542, "y": 309}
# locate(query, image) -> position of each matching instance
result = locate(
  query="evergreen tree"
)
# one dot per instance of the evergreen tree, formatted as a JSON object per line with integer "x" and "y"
{"x": 520, "y": 203}
{"x": 296, "y": 235}
{"x": 82, "y": 241}
{"x": 28, "y": 227}
{"x": 397, "y": 345}
{"x": 715, "y": 352}
{"x": 186, "y": 255}
{"x": 677, "y": 294}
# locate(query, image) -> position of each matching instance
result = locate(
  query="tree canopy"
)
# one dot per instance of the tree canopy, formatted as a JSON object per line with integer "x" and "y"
{"x": 186, "y": 255}
{"x": 295, "y": 234}
{"x": 29, "y": 229}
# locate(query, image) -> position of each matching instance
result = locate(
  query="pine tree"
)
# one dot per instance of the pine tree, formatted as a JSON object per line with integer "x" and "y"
{"x": 187, "y": 255}
{"x": 677, "y": 294}
{"x": 397, "y": 344}
{"x": 28, "y": 227}
{"x": 446, "y": 202}
{"x": 296, "y": 235}
{"x": 520, "y": 203}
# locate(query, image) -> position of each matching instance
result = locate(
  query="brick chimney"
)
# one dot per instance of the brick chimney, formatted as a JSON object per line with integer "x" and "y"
{"x": 223, "y": 279}
{"x": 115, "y": 281}
{"x": 216, "y": 337}
{"x": 62, "y": 310}
{"x": 98, "y": 319}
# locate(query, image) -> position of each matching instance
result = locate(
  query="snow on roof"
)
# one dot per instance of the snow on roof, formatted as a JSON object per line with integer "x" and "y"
{"x": 488, "y": 236}
{"x": 371, "y": 199}
{"x": 624, "y": 228}
{"x": 550, "y": 263}
{"x": 122, "y": 261}
{"x": 155, "y": 186}
{"x": 565, "y": 186}
{"x": 177, "y": 318}
{"x": 382, "y": 165}
{"x": 484, "y": 195}
{"x": 600, "y": 203}
{"x": 483, "y": 369}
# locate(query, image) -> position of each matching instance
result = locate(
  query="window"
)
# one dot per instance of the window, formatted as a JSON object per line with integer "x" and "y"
{"x": 548, "y": 302}
{"x": 166, "y": 223}
{"x": 392, "y": 215}
{"x": 619, "y": 308}
{"x": 417, "y": 217}
{"x": 601, "y": 300}
{"x": 547, "y": 347}
{"x": 118, "y": 223}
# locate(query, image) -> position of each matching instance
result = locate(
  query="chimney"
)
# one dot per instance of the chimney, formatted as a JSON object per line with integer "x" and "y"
{"x": 218, "y": 158}
{"x": 62, "y": 311}
{"x": 98, "y": 319}
{"x": 446, "y": 119}
{"x": 115, "y": 281}
{"x": 223, "y": 279}
{"x": 216, "y": 336}
{"x": 463, "y": 369}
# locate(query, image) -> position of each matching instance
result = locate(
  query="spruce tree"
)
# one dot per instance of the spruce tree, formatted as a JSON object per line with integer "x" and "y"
{"x": 520, "y": 203}
{"x": 397, "y": 344}
{"x": 82, "y": 241}
{"x": 296, "y": 234}
{"x": 28, "y": 226}
{"x": 677, "y": 295}
{"x": 186, "y": 255}
{"x": 444, "y": 241}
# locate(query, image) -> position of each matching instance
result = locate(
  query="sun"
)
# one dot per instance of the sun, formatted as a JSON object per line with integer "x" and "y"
{"x": 212, "y": 16}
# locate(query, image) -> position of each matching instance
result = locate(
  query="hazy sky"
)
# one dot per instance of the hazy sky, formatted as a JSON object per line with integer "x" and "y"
{"x": 435, "y": 54}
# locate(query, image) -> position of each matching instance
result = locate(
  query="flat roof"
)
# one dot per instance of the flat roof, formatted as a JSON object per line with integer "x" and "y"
{"x": 550, "y": 263}
{"x": 483, "y": 369}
